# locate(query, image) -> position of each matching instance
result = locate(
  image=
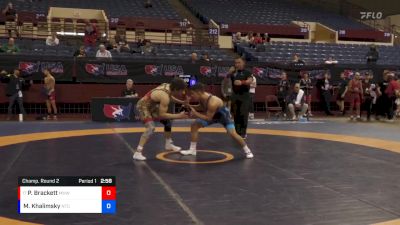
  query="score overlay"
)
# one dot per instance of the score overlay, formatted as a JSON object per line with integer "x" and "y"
{"x": 66, "y": 194}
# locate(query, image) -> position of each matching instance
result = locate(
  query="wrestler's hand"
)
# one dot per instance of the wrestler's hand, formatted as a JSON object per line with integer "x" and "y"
{"x": 183, "y": 115}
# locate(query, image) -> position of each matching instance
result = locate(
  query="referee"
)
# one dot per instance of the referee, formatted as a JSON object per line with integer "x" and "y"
{"x": 241, "y": 99}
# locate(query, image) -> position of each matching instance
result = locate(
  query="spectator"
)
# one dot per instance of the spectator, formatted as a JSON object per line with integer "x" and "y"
{"x": 237, "y": 38}
{"x": 330, "y": 60}
{"x": 148, "y": 48}
{"x": 343, "y": 83}
{"x": 297, "y": 61}
{"x": 205, "y": 57}
{"x": 91, "y": 34}
{"x": 325, "y": 90}
{"x": 307, "y": 86}
{"x": 397, "y": 102}
{"x": 140, "y": 43}
{"x": 129, "y": 91}
{"x": 370, "y": 95}
{"x": 283, "y": 91}
{"x": 122, "y": 43}
{"x": 241, "y": 80}
{"x": 148, "y": 4}
{"x": 52, "y": 40}
{"x": 193, "y": 58}
{"x": 257, "y": 39}
{"x": 296, "y": 101}
{"x": 10, "y": 47}
{"x": 356, "y": 94}
{"x": 252, "y": 91}
{"x": 49, "y": 87}
{"x": 226, "y": 91}
{"x": 81, "y": 52}
{"x": 15, "y": 85}
{"x": 11, "y": 17}
{"x": 266, "y": 39}
{"x": 383, "y": 106}
{"x": 249, "y": 38}
{"x": 391, "y": 93}
{"x": 103, "y": 52}
{"x": 372, "y": 55}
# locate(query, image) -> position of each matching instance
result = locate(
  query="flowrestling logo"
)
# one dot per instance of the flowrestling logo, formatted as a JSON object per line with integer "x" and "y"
{"x": 164, "y": 70}
{"x": 35, "y": 67}
{"x": 371, "y": 15}
{"x": 106, "y": 69}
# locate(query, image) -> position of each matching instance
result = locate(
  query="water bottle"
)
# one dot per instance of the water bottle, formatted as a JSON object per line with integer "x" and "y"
{"x": 21, "y": 117}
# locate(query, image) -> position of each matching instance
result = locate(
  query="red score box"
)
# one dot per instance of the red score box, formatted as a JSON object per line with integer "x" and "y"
{"x": 108, "y": 193}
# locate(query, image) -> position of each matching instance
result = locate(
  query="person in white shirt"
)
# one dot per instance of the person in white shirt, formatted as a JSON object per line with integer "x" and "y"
{"x": 296, "y": 101}
{"x": 103, "y": 52}
{"x": 330, "y": 60}
{"x": 52, "y": 40}
{"x": 252, "y": 92}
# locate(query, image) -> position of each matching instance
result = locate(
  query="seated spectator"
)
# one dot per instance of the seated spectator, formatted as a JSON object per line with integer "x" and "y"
{"x": 205, "y": 57}
{"x": 297, "y": 61}
{"x": 103, "y": 52}
{"x": 266, "y": 38}
{"x": 372, "y": 55}
{"x": 296, "y": 101}
{"x": 81, "y": 52}
{"x": 91, "y": 34}
{"x": 249, "y": 38}
{"x": 148, "y": 4}
{"x": 193, "y": 58}
{"x": 148, "y": 48}
{"x": 257, "y": 39}
{"x": 129, "y": 91}
{"x": 10, "y": 47}
{"x": 52, "y": 40}
{"x": 11, "y": 16}
{"x": 330, "y": 60}
{"x": 237, "y": 37}
{"x": 122, "y": 43}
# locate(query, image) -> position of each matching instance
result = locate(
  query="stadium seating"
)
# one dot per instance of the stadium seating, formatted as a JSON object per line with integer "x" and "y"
{"x": 313, "y": 53}
{"x": 164, "y": 51}
{"x": 117, "y": 8}
{"x": 275, "y": 12}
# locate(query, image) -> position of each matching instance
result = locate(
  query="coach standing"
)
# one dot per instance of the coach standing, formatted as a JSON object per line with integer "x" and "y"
{"x": 241, "y": 100}
{"x": 15, "y": 86}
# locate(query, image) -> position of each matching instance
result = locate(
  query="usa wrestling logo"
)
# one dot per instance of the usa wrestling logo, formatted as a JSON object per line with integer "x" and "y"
{"x": 28, "y": 67}
{"x": 94, "y": 69}
{"x": 117, "y": 112}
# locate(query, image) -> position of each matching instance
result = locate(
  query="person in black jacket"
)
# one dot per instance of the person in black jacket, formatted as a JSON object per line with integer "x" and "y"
{"x": 241, "y": 99}
{"x": 372, "y": 55}
{"x": 15, "y": 86}
{"x": 325, "y": 88}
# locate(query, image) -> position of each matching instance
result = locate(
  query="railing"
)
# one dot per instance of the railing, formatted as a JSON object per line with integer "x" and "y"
{"x": 74, "y": 31}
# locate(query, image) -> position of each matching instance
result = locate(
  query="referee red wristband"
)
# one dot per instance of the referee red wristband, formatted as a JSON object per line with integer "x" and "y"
{"x": 244, "y": 82}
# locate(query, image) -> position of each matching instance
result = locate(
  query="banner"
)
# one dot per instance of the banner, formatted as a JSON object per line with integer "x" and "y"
{"x": 32, "y": 67}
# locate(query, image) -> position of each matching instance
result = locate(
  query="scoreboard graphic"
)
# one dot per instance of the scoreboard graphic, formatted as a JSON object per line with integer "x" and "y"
{"x": 67, "y": 194}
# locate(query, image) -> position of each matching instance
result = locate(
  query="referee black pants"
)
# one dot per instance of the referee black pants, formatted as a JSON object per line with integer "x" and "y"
{"x": 240, "y": 110}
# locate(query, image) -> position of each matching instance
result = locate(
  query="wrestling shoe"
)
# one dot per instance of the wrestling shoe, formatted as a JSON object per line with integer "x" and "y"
{"x": 188, "y": 152}
{"x": 249, "y": 155}
{"x": 171, "y": 147}
{"x": 138, "y": 156}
